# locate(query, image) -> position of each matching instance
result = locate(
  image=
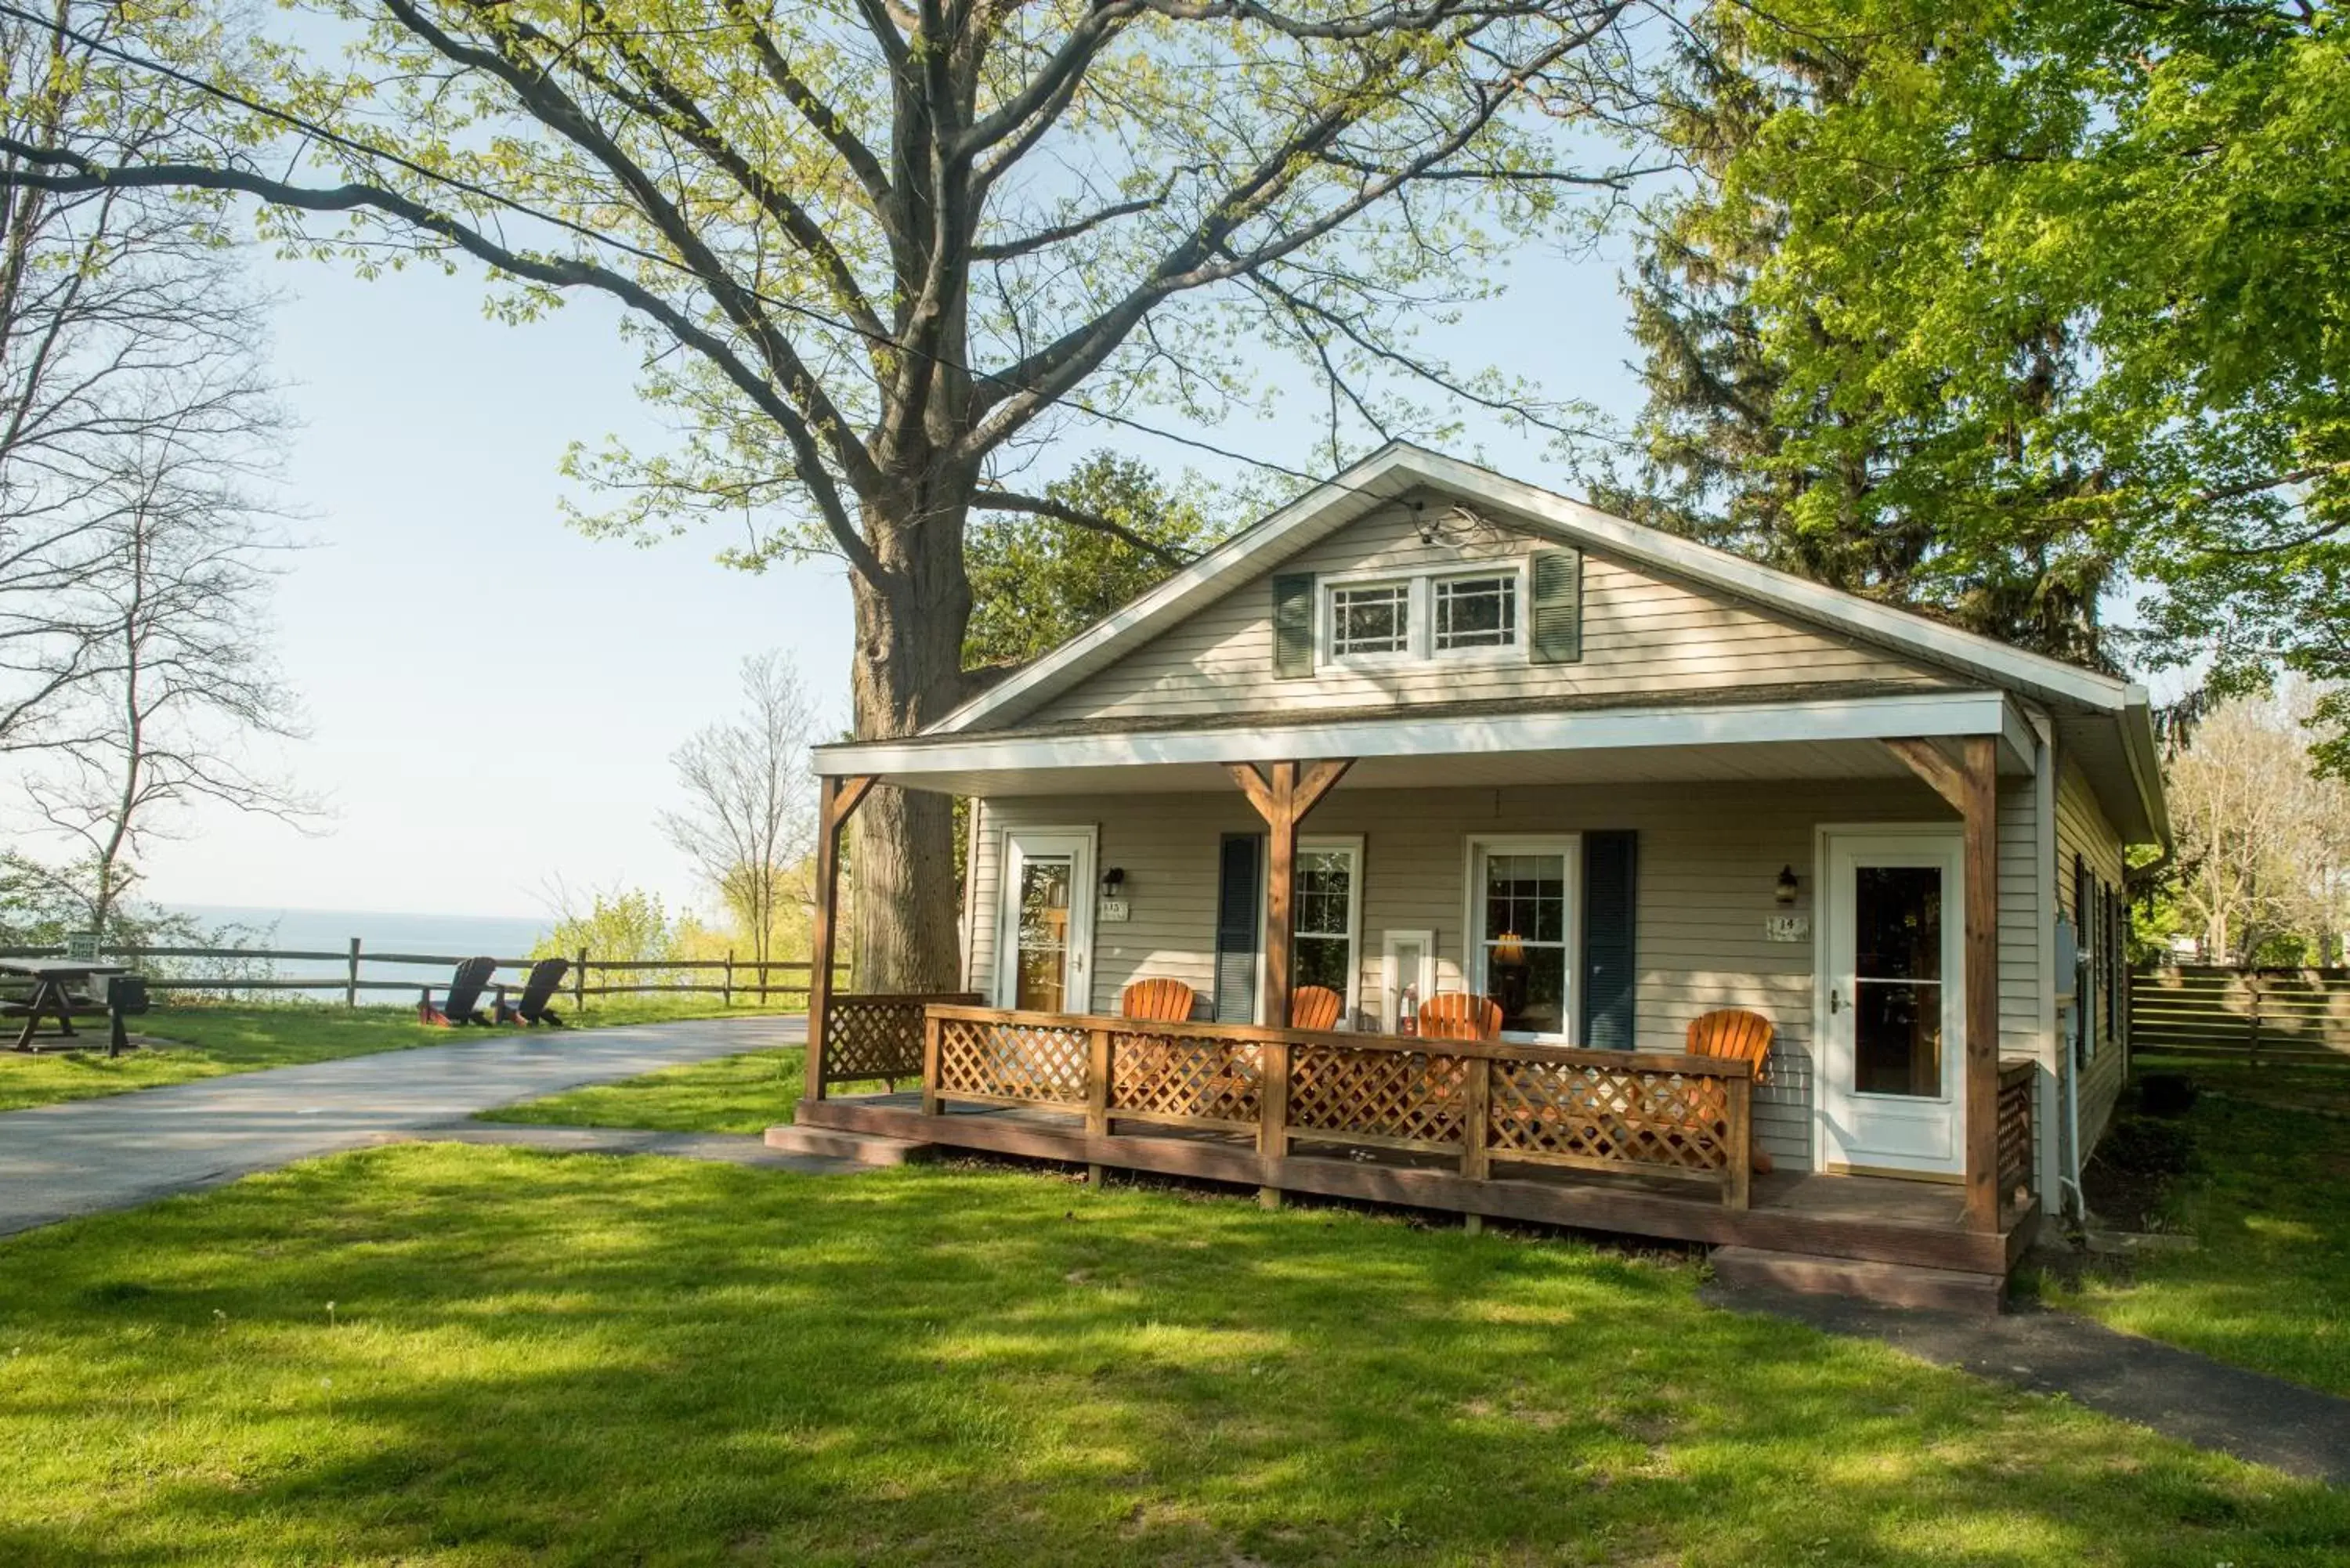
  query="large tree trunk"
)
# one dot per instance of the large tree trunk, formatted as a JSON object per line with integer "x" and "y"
{"x": 906, "y": 672}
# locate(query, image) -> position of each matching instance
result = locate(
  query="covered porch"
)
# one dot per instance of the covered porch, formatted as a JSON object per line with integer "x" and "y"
{"x": 1651, "y": 1142}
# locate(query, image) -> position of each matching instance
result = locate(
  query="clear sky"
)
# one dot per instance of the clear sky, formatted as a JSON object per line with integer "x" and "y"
{"x": 494, "y": 697}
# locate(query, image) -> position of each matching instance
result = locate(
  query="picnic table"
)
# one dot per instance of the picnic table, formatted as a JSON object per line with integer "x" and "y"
{"x": 53, "y": 994}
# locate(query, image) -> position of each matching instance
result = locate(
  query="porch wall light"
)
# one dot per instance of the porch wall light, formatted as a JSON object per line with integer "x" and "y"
{"x": 1114, "y": 881}
{"x": 1786, "y": 887}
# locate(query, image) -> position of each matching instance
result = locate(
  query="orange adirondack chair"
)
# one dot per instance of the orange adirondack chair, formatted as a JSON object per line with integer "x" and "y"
{"x": 1737, "y": 1034}
{"x": 1315, "y": 1007}
{"x": 1457, "y": 1015}
{"x": 1156, "y": 1001}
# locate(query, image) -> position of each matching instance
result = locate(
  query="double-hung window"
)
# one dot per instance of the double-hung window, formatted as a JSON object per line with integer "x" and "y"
{"x": 1327, "y": 915}
{"x": 1522, "y": 901}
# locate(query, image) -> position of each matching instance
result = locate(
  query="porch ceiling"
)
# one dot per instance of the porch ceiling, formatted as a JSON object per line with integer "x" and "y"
{"x": 1731, "y": 742}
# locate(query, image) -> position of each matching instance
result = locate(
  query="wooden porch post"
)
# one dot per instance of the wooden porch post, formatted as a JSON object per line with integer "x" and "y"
{"x": 1284, "y": 794}
{"x": 1970, "y": 786}
{"x": 836, "y": 803}
{"x": 1982, "y": 764}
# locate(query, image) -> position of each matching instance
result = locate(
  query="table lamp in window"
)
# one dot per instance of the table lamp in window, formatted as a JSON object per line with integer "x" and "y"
{"x": 1507, "y": 981}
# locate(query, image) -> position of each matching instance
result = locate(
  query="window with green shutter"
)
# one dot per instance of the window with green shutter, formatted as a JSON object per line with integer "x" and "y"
{"x": 1292, "y": 627}
{"x": 1557, "y": 606}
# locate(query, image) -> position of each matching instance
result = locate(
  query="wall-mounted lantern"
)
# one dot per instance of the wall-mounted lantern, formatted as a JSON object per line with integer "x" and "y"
{"x": 1786, "y": 887}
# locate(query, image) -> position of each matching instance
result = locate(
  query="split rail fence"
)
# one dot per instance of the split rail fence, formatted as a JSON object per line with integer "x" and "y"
{"x": 238, "y": 970}
{"x": 2254, "y": 1015}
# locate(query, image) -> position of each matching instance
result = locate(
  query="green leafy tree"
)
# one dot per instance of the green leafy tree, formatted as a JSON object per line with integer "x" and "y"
{"x": 2055, "y": 283}
{"x": 869, "y": 248}
{"x": 1791, "y": 414}
{"x": 619, "y": 925}
{"x": 1103, "y": 535}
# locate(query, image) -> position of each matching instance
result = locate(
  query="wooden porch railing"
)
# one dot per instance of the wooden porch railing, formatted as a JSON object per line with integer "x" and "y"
{"x": 1475, "y": 1101}
{"x": 876, "y": 1036}
{"x": 2018, "y": 1085}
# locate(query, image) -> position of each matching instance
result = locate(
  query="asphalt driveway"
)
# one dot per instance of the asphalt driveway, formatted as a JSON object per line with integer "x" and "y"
{"x": 85, "y": 1155}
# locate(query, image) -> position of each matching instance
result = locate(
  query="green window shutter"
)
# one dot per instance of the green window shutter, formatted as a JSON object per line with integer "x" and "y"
{"x": 1610, "y": 979}
{"x": 1239, "y": 926}
{"x": 1558, "y": 607}
{"x": 1292, "y": 627}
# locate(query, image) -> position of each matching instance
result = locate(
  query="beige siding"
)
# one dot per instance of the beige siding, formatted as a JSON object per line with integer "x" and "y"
{"x": 1708, "y": 858}
{"x": 2083, "y": 829}
{"x": 1641, "y": 634}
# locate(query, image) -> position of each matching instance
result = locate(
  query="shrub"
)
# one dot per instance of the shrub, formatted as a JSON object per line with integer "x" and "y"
{"x": 2148, "y": 1146}
{"x": 2167, "y": 1095}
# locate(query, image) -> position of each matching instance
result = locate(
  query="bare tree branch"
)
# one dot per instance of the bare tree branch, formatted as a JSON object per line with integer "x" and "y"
{"x": 993, "y": 500}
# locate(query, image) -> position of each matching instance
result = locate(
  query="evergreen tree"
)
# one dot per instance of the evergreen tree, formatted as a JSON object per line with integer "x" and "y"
{"x": 1781, "y": 421}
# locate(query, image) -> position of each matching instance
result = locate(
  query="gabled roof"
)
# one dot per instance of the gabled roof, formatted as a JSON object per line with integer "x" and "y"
{"x": 2106, "y": 722}
{"x": 1399, "y": 468}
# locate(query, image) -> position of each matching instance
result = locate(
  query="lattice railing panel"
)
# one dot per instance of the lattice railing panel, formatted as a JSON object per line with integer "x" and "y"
{"x": 1039, "y": 1061}
{"x": 1410, "y": 1095}
{"x": 877, "y": 1036}
{"x": 2016, "y": 1085}
{"x": 1177, "y": 1074}
{"x": 872, "y": 1037}
{"x": 1613, "y": 1116}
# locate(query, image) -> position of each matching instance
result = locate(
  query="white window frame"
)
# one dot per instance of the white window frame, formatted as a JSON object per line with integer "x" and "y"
{"x": 1514, "y": 572}
{"x": 1326, "y": 600}
{"x": 1420, "y": 641}
{"x": 1351, "y": 844}
{"x": 1477, "y": 849}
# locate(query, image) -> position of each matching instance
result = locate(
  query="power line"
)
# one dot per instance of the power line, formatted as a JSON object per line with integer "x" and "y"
{"x": 794, "y": 308}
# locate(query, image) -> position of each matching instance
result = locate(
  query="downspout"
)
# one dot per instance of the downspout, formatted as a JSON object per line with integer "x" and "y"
{"x": 2063, "y": 1165}
{"x": 2070, "y": 1078}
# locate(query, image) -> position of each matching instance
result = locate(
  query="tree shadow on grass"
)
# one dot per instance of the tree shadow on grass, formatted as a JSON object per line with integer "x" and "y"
{"x": 590, "y": 1360}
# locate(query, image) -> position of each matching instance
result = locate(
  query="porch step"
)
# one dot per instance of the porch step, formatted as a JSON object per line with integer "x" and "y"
{"x": 1888, "y": 1284}
{"x": 865, "y": 1149}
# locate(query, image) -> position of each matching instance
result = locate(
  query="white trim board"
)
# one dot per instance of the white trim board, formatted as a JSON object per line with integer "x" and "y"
{"x": 1399, "y": 467}
{"x": 1928, "y": 714}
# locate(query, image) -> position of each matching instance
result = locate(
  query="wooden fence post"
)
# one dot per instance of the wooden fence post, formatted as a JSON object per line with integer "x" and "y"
{"x": 1741, "y": 1141}
{"x": 930, "y": 1027}
{"x": 579, "y": 984}
{"x": 351, "y": 982}
{"x": 1272, "y": 1116}
{"x": 1476, "y": 1117}
{"x": 2252, "y": 1017}
{"x": 726, "y": 983}
{"x": 1096, "y": 1094}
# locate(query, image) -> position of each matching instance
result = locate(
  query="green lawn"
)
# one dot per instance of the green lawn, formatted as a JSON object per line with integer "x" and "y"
{"x": 2323, "y": 1087}
{"x": 207, "y": 1042}
{"x": 435, "y": 1355}
{"x": 728, "y": 1095}
{"x": 2269, "y": 1285}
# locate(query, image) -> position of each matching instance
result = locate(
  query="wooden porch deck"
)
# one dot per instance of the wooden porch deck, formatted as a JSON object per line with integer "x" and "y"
{"x": 1862, "y": 1217}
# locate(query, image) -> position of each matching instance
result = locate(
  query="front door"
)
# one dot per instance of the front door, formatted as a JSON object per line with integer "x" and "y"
{"x": 1894, "y": 1006}
{"x": 1046, "y": 920}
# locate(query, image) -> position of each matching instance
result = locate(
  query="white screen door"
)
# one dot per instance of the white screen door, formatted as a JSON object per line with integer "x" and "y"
{"x": 1891, "y": 985}
{"x": 1045, "y": 925}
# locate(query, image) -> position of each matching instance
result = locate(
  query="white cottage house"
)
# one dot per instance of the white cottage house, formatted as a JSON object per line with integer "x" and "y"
{"x": 1428, "y": 732}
